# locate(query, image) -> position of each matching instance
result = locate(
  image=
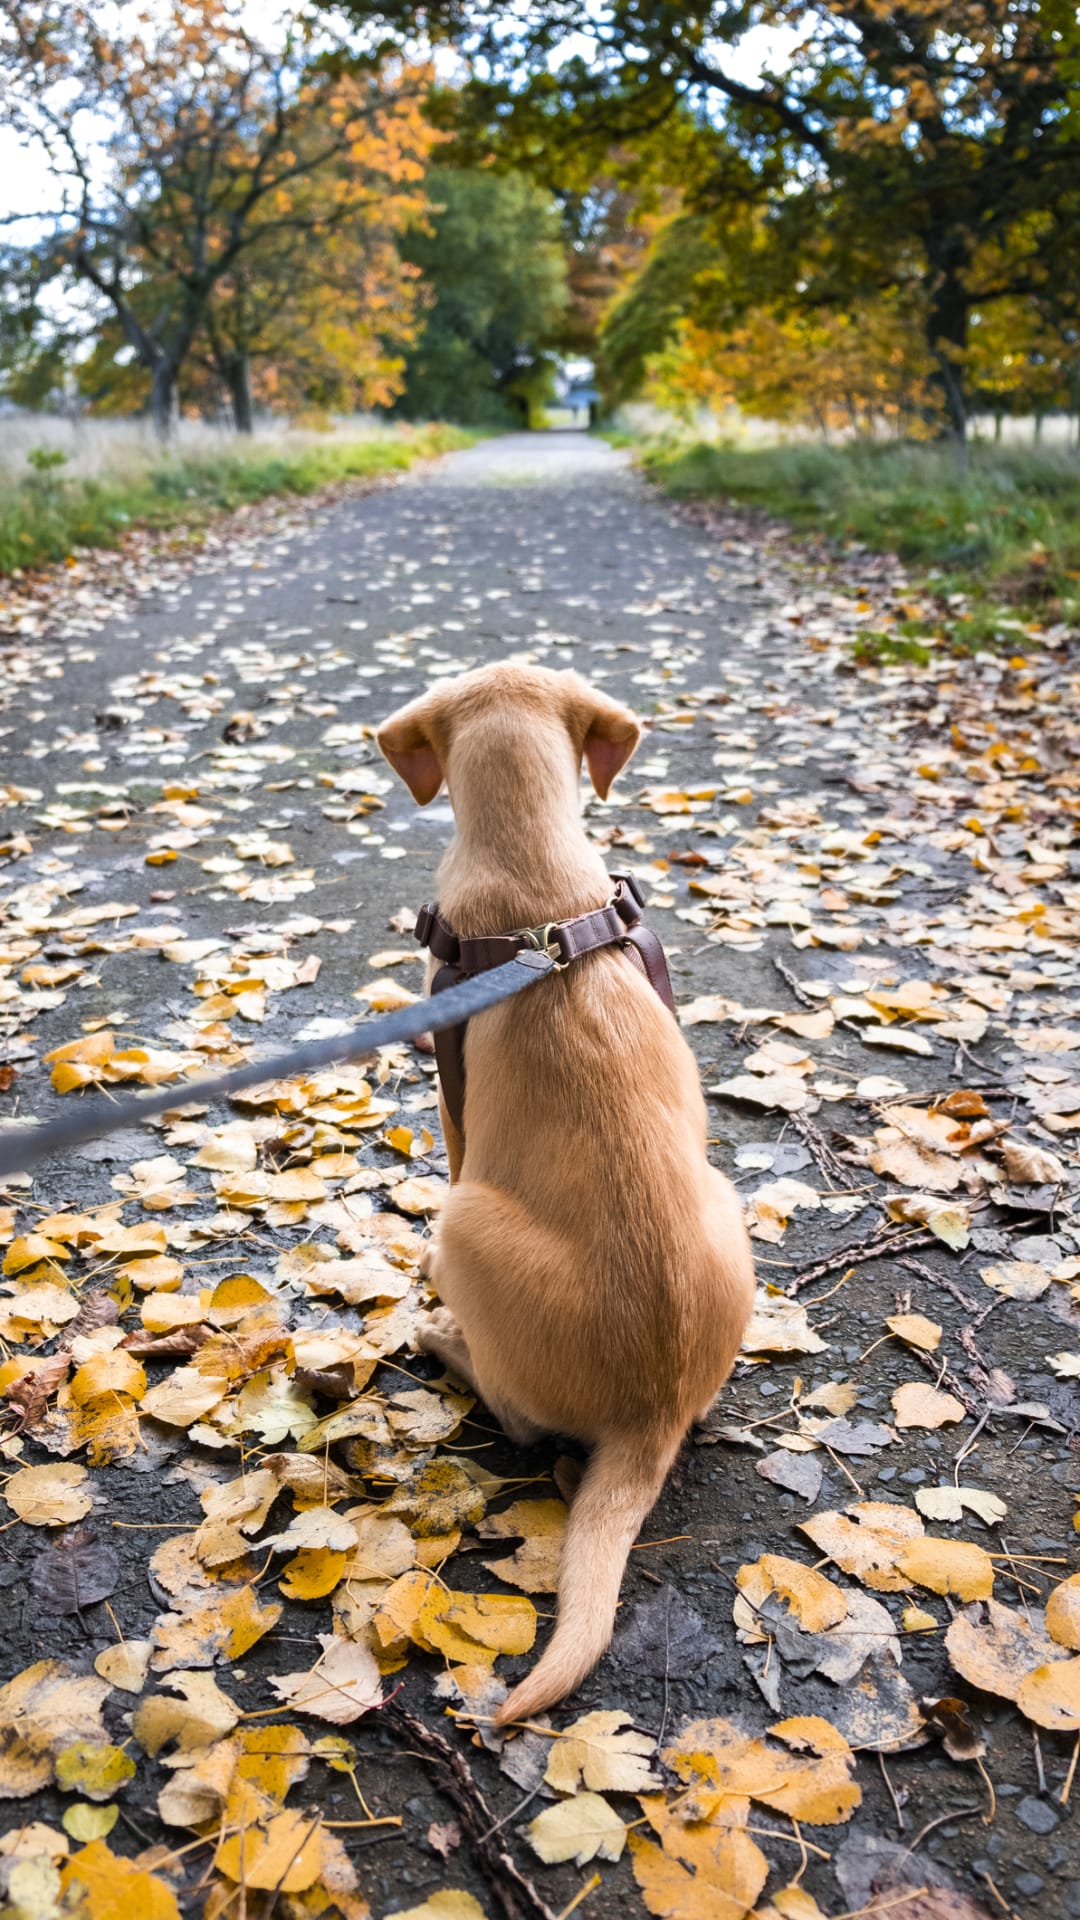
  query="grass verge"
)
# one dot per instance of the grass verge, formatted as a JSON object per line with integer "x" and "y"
{"x": 45, "y": 516}
{"x": 1004, "y": 536}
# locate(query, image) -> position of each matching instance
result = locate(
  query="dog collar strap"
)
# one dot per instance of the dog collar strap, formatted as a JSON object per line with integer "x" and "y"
{"x": 560, "y": 941}
{"x": 563, "y": 940}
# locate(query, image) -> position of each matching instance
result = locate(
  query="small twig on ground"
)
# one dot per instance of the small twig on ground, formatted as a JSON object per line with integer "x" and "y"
{"x": 1040, "y": 1770}
{"x": 955, "y": 1813}
{"x": 453, "y": 1777}
{"x": 877, "y": 1245}
{"x": 829, "y": 1162}
{"x": 942, "y": 1280}
{"x": 892, "y": 1793}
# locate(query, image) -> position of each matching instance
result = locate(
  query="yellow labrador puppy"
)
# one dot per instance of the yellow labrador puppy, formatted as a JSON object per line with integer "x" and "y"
{"x": 594, "y": 1268}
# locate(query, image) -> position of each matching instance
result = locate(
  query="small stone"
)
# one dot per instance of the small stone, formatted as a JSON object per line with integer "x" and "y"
{"x": 914, "y": 1477}
{"x": 1029, "y": 1884}
{"x": 1036, "y": 1815}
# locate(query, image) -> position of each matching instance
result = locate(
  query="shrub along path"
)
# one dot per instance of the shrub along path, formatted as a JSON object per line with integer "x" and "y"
{"x": 265, "y": 1571}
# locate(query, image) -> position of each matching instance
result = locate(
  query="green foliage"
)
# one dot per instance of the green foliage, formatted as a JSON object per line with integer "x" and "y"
{"x": 1006, "y": 532}
{"x": 928, "y": 150}
{"x": 496, "y": 272}
{"x": 44, "y": 518}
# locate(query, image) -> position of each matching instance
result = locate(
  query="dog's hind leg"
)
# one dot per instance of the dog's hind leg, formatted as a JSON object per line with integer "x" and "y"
{"x": 441, "y": 1336}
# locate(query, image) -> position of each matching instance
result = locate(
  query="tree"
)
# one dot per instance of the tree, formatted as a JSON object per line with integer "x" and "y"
{"x": 920, "y": 133}
{"x": 494, "y": 264}
{"x": 221, "y": 149}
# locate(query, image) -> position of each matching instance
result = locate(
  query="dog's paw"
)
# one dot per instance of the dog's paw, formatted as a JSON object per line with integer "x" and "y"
{"x": 435, "y": 1329}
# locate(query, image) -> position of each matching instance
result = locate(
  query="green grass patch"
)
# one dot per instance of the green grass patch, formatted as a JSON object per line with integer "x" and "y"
{"x": 45, "y": 516}
{"x": 1006, "y": 534}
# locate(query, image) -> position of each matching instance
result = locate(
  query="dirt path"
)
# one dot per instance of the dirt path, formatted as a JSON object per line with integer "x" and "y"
{"x": 869, "y": 890}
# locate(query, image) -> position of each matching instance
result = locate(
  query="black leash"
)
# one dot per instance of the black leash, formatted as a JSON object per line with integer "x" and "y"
{"x": 24, "y": 1147}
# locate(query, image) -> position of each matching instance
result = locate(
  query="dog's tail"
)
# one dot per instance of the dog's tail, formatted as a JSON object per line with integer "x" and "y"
{"x": 618, "y": 1489}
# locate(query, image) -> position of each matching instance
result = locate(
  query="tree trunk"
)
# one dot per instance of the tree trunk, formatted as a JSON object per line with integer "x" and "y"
{"x": 162, "y": 398}
{"x": 239, "y": 379}
{"x": 997, "y": 428}
{"x": 1038, "y": 427}
{"x": 946, "y": 336}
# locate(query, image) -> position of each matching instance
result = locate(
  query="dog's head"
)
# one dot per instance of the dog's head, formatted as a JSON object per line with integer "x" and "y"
{"x": 561, "y": 712}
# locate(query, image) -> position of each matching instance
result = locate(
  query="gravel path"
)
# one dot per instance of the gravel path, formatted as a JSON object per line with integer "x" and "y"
{"x": 809, "y": 835}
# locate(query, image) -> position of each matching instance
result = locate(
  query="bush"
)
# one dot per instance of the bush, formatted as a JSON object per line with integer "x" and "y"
{"x": 1007, "y": 529}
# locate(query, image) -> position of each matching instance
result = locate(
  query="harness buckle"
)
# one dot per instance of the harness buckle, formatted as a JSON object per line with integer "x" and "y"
{"x": 541, "y": 941}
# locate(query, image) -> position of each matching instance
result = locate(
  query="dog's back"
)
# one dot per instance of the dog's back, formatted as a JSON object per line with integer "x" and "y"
{"x": 596, "y": 1268}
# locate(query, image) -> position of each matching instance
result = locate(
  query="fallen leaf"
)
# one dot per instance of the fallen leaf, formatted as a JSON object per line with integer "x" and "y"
{"x": 915, "y": 1330}
{"x": 343, "y": 1684}
{"x": 580, "y": 1829}
{"x": 50, "y": 1496}
{"x": 107, "y": 1887}
{"x": 452, "y": 1903}
{"x": 918, "y": 1405}
{"x": 201, "y": 1716}
{"x": 73, "y": 1572}
{"x": 947, "y": 1566}
{"x": 42, "y": 1711}
{"x": 813, "y": 1600}
{"x": 1050, "y": 1696}
{"x": 600, "y": 1752}
{"x": 866, "y": 1540}
{"x": 949, "y": 1503}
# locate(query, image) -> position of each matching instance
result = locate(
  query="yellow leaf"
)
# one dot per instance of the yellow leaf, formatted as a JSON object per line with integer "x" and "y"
{"x": 283, "y": 1856}
{"x": 50, "y": 1496}
{"x": 99, "y": 1772}
{"x": 601, "y": 1751}
{"x": 106, "y": 1374}
{"x": 581, "y": 1829}
{"x": 948, "y": 1566}
{"x": 385, "y": 996}
{"x": 42, "y": 1710}
{"x": 203, "y": 1714}
{"x": 866, "y": 1540}
{"x": 32, "y": 1247}
{"x": 84, "y": 1822}
{"x": 997, "y": 1651}
{"x": 452, "y": 1903}
{"x": 125, "y": 1666}
{"x": 717, "y": 1874}
{"x": 916, "y": 1330}
{"x": 425, "y": 1193}
{"x": 815, "y": 1601}
{"x": 112, "y": 1888}
{"x": 916, "y": 1620}
{"x": 918, "y": 1405}
{"x": 812, "y": 1782}
{"x": 1051, "y": 1696}
{"x": 541, "y": 1526}
{"x": 470, "y": 1626}
{"x": 312, "y": 1573}
{"x": 1063, "y": 1612}
{"x": 342, "y": 1685}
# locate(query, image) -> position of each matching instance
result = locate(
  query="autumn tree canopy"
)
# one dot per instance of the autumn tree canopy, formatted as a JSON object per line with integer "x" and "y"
{"x": 894, "y": 152}
{"x": 226, "y": 193}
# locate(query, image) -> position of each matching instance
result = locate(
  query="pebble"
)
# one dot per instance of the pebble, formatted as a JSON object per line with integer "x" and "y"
{"x": 1028, "y": 1884}
{"x": 1036, "y": 1815}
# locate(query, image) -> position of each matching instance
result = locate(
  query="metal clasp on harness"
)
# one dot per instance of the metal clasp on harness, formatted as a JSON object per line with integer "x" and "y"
{"x": 539, "y": 938}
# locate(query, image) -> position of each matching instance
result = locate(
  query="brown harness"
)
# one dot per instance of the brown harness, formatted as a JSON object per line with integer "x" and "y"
{"x": 616, "y": 925}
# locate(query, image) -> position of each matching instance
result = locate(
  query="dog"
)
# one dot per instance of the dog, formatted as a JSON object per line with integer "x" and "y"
{"x": 594, "y": 1270}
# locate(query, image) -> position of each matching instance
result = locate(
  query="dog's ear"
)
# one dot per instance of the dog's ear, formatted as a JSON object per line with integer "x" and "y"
{"x": 611, "y": 736}
{"x": 406, "y": 741}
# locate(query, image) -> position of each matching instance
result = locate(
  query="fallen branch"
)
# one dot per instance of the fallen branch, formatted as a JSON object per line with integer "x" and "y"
{"x": 876, "y": 1246}
{"x": 453, "y": 1777}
